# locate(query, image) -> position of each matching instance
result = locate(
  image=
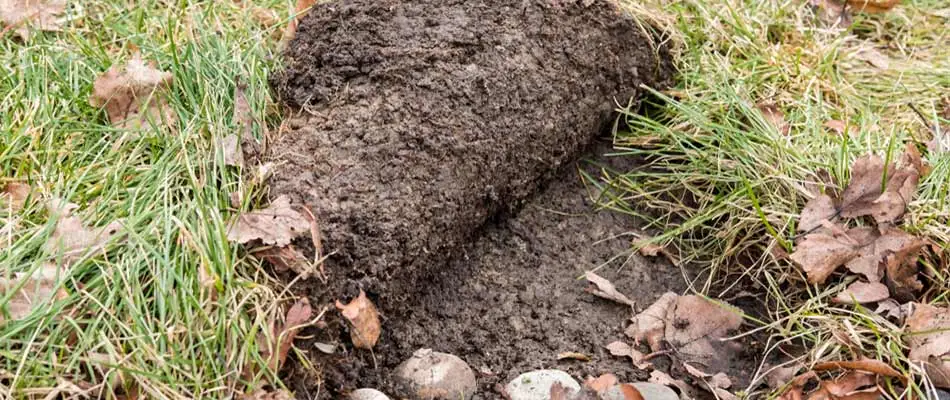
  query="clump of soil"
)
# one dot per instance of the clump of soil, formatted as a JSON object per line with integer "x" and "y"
{"x": 423, "y": 125}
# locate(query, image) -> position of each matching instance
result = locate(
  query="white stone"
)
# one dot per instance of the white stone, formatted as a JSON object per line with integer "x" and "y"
{"x": 536, "y": 385}
{"x": 434, "y": 375}
{"x": 368, "y": 394}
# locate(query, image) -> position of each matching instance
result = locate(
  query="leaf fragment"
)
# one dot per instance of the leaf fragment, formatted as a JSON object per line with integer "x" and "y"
{"x": 15, "y": 195}
{"x": 873, "y": 6}
{"x": 862, "y": 293}
{"x": 365, "y": 327}
{"x": 230, "y": 146}
{"x": 31, "y": 291}
{"x": 276, "y": 225}
{"x": 774, "y": 116}
{"x": 606, "y": 289}
{"x": 650, "y": 325}
{"x": 820, "y": 254}
{"x": 621, "y": 349}
{"x": 71, "y": 239}
{"x": 928, "y": 329}
{"x": 22, "y": 15}
{"x": 818, "y": 209}
{"x": 134, "y": 95}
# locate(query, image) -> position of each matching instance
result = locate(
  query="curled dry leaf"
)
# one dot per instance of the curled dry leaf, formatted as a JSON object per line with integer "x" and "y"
{"x": 21, "y": 15}
{"x": 31, "y": 291}
{"x": 606, "y": 289}
{"x": 686, "y": 391}
{"x": 287, "y": 258}
{"x": 134, "y": 95}
{"x": 873, "y": 6}
{"x": 901, "y": 272}
{"x": 774, "y": 116}
{"x": 650, "y": 325}
{"x": 928, "y": 330}
{"x": 862, "y": 293}
{"x": 276, "y": 225}
{"x": 573, "y": 355}
{"x": 716, "y": 384}
{"x": 820, "y": 208}
{"x": 853, "y": 385}
{"x": 621, "y": 349}
{"x": 870, "y": 366}
{"x": 875, "y": 247}
{"x": 864, "y": 196}
{"x": 365, "y": 327}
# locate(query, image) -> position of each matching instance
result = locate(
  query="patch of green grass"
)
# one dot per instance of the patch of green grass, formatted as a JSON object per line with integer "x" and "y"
{"x": 724, "y": 188}
{"x": 172, "y": 310}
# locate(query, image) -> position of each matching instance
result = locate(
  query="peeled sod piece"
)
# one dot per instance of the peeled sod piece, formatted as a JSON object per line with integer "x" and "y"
{"x": 422, "y": 120}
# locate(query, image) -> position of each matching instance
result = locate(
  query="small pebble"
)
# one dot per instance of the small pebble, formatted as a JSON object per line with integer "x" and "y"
{"x": 435, "y": 375}
{"x": 368, "y": 394}
{"x": 536, "y": 385}
{"x": 649, "y": 391}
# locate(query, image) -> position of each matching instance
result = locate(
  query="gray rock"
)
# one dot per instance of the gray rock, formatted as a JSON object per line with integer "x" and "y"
{"x": 943, "y": 395}
{"x": 649, "y": 391}
{"x": 368, "y": 394}
{"x": 434, "y": 375}
{"x": 536, "y": 385}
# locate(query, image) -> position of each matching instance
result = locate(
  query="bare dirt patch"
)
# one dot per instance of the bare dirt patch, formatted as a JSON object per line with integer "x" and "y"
{"x": 424, "y": 126}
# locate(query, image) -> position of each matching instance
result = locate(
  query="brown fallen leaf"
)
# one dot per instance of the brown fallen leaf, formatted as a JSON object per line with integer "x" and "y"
{"x": 901, "y": 272}
{"x": 650, "y": 325}
{"x": 276, "y": 225}
{"x": 230, "y": 147}
{"x": 716, "y": 384}
{"x": 31, "y": 291}
{"x": 890, "y": 308}
{"x": 601, "y": 383}
{"x": 630, "y": 392}
{"x": 838, "y": 126}
{"x": 21, "y": 15}
{"x": 261, "y": 394}
{"x": 686, "y": 390}
{"x": 134, "y": 95}
{"x": 573, "y": 355}
{"x": 698, "y": 328}
{"x": 928, "y": 336}
{"x": 776, "y": 377}
{"x": 873, "y": 6}
{"x": 606, "y": 289}
{"x": 864, "y": 195}
{"x": 71, "y": 239}
{"x": 820, "y": 208}
{"x": 300, "y": 10}
{"x": 297, "y": 315}
{"x": 774, "y": 116}
{"x": 862, "y": 293}
{"x": 287, "y": 258}
{"x": 621, "y": 349}
{"x": 875, "y": 247}
{"x": 833, "y": 12}
{"x": 243, "y": 119}
{"x": 850, "y": 386}
{"x": 647, "y": 249}
{"x": 364, "y": 321}
{"x": 820, "y": 254}
{"x": 15, "y": 195}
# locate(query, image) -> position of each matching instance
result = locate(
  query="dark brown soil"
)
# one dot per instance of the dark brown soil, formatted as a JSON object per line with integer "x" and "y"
{"x": 425, "y": 125}
{"x": 512, "y": 302}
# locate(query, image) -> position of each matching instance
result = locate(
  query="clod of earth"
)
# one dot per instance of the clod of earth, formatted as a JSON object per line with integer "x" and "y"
{"x": 415, "y": 132}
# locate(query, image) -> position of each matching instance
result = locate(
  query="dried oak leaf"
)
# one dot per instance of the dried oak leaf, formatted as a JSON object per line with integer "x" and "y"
{"x": 276, "y": 225}
{"x": 697, "y": 328}
{"x": 20, "y": 15}
{"x": 901, "y": 272}
{"x": 134, "y": 95}
{"x": 606, "y": 289}
{"x": 875, "y": 247}
{"x": 873, "y": 6}
{"x": 818, "y": 209}
{"x": 862, "y": 293}
{"x": 365, "y": 327}
{"x": 774, "y": 116}
{"x": 928, "y": 330}
{"x": 650, "y": 325}
{"x": 15, "y": 195}
{"x": 820, "y": 254}
{"x": 31, "y": 291}
{"x": 864, "y": 195}
{"x": 71, "y": 239}
{"x": 621, "y": 349}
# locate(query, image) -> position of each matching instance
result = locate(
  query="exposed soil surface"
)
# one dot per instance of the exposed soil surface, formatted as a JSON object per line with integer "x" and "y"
{"x": 512, "y": 302}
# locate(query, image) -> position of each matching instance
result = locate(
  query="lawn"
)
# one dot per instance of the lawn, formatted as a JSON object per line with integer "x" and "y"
{"x": 769, "y": 95}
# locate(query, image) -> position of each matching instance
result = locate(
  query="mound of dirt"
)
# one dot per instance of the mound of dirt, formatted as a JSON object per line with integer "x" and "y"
{"x": 425, "y": 119}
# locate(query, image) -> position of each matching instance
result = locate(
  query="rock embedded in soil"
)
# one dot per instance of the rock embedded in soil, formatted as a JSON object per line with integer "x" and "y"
{"x": 423, "y": 120}
{"x": 536, "y": 385}
{"x": 434, "y": 375}
{"x": 368, "y": 394}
